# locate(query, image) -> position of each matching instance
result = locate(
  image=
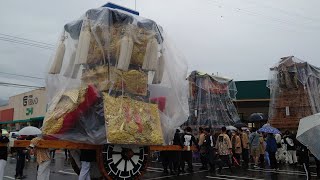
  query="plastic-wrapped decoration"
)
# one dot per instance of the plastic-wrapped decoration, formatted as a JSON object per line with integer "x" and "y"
{"x": 211, "y": 101}
{"x": 121, "y": 82}
{"x": 294, "y": 92}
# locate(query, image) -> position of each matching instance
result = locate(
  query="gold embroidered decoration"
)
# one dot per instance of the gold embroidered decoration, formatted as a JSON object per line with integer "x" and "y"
{"x": 132, "y": 122}
{"x": 132, "y": 81}
{"x": 63, "y": 104}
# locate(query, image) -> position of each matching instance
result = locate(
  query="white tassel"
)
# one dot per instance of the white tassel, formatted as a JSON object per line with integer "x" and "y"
{"x": 75, "y": 72}
{"x": 151, "y": 55}
{"x": 126, "y": 46}
{"x": 84, "y": 43}
{"x": 58, "y": 59}
{"x": 69, "y": 69}
{"x": 159, "y": 72}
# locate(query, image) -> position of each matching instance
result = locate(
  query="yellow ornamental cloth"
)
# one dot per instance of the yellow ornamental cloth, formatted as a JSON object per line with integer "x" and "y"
{"x": 42, "y": 154}
{"x": 132, "y": 122}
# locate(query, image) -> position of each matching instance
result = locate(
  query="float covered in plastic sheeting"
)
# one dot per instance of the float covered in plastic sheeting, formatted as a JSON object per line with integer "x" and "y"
{"x": 210, "y": 101}
{"x": 115, "y": 78}
{"x": 294, "y": 91}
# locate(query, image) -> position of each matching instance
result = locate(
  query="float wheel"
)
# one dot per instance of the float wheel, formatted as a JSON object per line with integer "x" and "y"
{"x": 123, "y": 162}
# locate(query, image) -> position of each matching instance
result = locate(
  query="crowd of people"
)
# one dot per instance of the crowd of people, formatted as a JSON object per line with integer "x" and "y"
{"x": 43, "y": 156}
{"x": 235, "y": 149}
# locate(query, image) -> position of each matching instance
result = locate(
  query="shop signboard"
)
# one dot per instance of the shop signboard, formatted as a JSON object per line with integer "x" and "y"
{"x": 29, "y": 105}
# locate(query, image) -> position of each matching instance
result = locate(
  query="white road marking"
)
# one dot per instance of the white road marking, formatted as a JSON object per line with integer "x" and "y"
{"x": 163, "y": 177}
{"x": 70, "y": 173}
{"x": 238, "y": 177}
{"x": 152, "y": 170}
{"x": 210, "y": 177}
{"x": 278, "y": 172}
{"x": 155, "y": 168}
{"x": 303, "y": 172}
{"x": 8, "y": 177}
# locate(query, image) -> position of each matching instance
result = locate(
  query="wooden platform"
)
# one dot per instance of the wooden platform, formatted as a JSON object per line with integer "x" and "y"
{"x": 57, "y": 144}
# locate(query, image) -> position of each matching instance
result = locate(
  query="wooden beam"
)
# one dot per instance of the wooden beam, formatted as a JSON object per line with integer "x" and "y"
{"x": 57, "y": 144}
{"x": 171, "y": 148}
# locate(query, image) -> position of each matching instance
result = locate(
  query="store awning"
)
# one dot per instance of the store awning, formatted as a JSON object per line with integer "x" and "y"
{"x": 24, "y": 120}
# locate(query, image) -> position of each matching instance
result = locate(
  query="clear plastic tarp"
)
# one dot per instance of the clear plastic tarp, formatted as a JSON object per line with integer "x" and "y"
{"x": 115, "y": 78}
{"x": 294, "y": 89}
{"x": 211, "y": 101}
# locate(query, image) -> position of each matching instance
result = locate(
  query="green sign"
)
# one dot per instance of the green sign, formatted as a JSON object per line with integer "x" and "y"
{"x": 29, "y": 111}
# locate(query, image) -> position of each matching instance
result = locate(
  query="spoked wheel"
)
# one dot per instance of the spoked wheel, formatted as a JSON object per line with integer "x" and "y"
{"x": 123, "y": 162}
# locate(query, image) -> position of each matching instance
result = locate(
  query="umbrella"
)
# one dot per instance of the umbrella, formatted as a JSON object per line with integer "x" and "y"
{"x": 269, "y": 129}
{"x": 240, "y": 125}
{"x": 231, "y": 128}
{"x": 29, "y": 130}
{"x": 4, "y": 132}
{"x": 308, "y": 133}
{"x": 256, "y": 117}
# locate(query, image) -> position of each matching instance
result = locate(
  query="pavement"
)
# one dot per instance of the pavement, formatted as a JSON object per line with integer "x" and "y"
{"x": 62, "y": 170}
{"x": 285, "y": 172}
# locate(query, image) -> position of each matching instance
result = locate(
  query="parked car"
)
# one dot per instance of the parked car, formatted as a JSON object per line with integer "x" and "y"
{"x": 12, "y": 136}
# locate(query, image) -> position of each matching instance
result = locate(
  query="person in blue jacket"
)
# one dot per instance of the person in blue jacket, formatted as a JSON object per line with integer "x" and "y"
{"x": 272, "y": 149}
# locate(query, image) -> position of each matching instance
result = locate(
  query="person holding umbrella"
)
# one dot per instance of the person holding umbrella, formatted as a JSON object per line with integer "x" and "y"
{"x": 254, "y": 145}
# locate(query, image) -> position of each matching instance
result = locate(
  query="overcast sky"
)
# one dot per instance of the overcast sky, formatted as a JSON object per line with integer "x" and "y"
{"x": 239, "y": 39}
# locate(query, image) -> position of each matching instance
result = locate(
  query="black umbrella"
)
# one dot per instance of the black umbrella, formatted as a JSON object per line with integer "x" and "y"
{"x": 240, "y": 125}
{"x": 257, "y": 117}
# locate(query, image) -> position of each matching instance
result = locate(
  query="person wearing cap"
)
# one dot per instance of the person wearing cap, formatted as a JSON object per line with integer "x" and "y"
{"x": 43, "y": 159}
{"x": 224, "y": 149}
{"x": 3, "y": 154}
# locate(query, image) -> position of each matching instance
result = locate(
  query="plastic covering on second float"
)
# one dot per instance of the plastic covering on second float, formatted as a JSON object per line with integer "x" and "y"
{"x": 210, "y": 101}
{"x": 115, "y": 78}
{"x": 291, "y": 74}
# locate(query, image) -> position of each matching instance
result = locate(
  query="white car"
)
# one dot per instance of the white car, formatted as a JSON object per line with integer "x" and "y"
{"x": 12, "y": 137}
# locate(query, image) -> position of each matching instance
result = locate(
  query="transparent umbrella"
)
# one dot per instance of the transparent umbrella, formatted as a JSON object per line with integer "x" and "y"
{"x": 29, "y": 130}
{"x": 308, "y": 133}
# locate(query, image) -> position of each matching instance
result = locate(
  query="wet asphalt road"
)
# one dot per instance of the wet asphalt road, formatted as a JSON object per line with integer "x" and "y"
{"x": 61, "y": 170}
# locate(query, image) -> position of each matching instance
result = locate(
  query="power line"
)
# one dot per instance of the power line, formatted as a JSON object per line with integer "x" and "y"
{"x": 20, "y": 75}
{"x": 25, "y": 43}
{"x": 270, "y": 18}
{"x": 16, "y": 37}
{"x": 18, "y": 85}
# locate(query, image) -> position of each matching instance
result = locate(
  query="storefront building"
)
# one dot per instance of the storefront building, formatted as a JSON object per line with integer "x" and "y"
{"x": 24, "y": 109}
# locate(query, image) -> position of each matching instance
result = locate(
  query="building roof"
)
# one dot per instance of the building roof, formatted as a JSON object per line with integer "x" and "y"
{"x": 252, "y": 90}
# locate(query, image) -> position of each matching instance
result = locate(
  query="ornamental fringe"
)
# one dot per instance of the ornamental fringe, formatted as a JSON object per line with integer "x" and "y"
{"x": 69, "y": 69}
{"x": 159, "y": 72}
{"x": 151, "y": 55}
{"x": 84, "y": 43}
{"x": 126, "y": 46}
{"x": 58, "y": 59}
